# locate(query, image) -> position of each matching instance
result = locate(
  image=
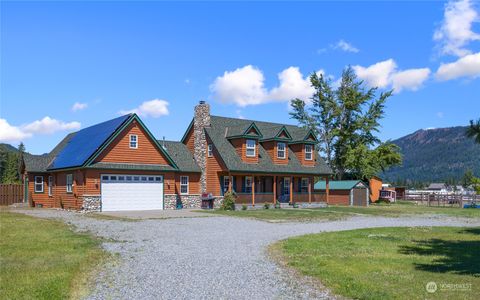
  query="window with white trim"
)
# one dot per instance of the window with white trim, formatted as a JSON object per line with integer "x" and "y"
{"x": 251, "y": 145}
{"x": 183, "y": 185}
{"x": 210, "y": 150}
{"x": 38, "y": 184}
{"x": 50, "y": 185}
{"x": 248, "y": 184}
{"x": 281, "y": 150}
{"x": 308, "y": 152}
{"x": 304, "y": 185}
{"x": 69, "y": 183}
{"x": 133, "y": 141}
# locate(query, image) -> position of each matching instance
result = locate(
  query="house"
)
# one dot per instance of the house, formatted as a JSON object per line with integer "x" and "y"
{"x": 345, "y": 192}
{"x": 114, "y": 165}
{"x": 437, "y": 188}
{"x": 259, "y": 161}
{"x": 120, "y": 165}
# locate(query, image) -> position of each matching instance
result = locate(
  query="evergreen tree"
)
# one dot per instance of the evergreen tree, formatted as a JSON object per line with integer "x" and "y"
{"x": 473, "y": 131}
{"x": 345, "y": 121}
{"x": 10, "y": 172}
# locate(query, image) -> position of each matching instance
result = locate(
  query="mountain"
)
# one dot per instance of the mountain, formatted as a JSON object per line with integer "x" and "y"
{"x": 7, "y": 148}
{"x": 435, "y": 155}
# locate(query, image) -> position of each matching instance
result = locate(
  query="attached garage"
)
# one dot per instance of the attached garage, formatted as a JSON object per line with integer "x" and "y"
{"x": 131, "y": 192}
{"x": 345, "y": 192}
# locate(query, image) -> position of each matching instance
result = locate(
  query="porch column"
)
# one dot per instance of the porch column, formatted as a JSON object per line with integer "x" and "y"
{"x": 291, "y": 189}
{"x": 274, "y": 189}
{"x": 230, "y": 179}
{"x": 309, "y": 190}
{"x": 253, "y": 190}
{"x": 327, "y": 188}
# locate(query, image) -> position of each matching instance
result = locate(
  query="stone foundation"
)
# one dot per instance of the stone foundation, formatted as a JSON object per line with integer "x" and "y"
{"x": 186, "y": 201}
{"x": 91, "y": 203}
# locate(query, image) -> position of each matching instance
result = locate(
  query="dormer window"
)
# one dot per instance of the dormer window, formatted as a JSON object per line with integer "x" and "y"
{"x": 251, "y": 145}
{"x": 281, "y": 150}
{"x": 133, "y": 141}
{"x": 308, "y": 152}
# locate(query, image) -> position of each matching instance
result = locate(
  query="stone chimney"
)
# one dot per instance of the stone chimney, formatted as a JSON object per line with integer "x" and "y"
{"x": 200, "y": 121}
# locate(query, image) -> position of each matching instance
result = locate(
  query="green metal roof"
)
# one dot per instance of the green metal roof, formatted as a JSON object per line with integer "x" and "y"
{"x": 338, "y": 184}
{"x": 217, "y": 132}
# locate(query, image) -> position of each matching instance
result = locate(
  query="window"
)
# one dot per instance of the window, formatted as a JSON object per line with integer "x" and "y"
{"x": 210, "y": 150}
{"x": 286, "y": 185}
{"x": 50, "y": 185}
{"x": 251, "y": 148}
{"x": 308, "y": 152}
{"x": 183, "y": 185}
{"x": 104, "y": 177}
{"x": 121, "y": 178}
{"x": 69, "y": 181}
{"x": 226, "y": 183}
{"x": 304, "y": 185}
{"x": 133, "y": 141}
{"x": 129, "y": 178}
{"x": 281, "y": 153}
{"x": 248, "y": 184}
{"x": 38, "y": 184}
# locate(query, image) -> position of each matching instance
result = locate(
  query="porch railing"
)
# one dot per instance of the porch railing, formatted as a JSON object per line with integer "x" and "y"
{"x": 246, "y": 198}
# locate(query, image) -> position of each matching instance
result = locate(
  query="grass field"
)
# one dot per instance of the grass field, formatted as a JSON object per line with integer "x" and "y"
{"x": 389, "y": 263}
{"x": 44, "y": 259}
{"x": 338, "y": 212}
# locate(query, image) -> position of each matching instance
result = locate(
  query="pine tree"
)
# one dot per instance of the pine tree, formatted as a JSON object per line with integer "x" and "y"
{"x": 10, "y": 174}
{"x": 473, "y": 131}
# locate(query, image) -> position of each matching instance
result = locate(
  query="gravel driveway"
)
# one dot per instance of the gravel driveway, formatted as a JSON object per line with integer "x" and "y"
{"x": 209, "y": 258}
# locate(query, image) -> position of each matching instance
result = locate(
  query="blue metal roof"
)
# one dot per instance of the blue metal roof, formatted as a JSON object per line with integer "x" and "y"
{"x": 85, "y": 143}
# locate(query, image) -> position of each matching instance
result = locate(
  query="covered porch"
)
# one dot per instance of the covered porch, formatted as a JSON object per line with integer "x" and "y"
{"x": 257, "y": 189}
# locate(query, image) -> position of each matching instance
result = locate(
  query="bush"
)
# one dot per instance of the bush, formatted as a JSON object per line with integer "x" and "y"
{"x": 228, "y": 201}
{"x": 295, "y": 205}
{"x": 266, "y": 205}
{"x": 244, "y": 207}
{"x": 277, "y": 205}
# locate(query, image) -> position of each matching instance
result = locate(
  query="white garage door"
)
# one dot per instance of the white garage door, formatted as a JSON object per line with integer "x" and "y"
{"x": 131, "y": 192}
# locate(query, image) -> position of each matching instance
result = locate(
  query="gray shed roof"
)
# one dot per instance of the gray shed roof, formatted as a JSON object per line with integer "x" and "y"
{"x": 216, "y": 132}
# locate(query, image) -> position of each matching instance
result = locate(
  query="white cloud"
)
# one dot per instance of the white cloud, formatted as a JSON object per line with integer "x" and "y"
{"x": 411, "y": 79}
{"x": 385, "y": 74}
{"x": 79, "y": 106}
{"x": 246, "y": 86}
{"x": 154, "y": 108}
{"x": 377, "y": 75}
{"x": 9, "y": 133}
{"x": 48, "y": 125}
{"x": 467, "y": 66}
{"x": 455, "y": 31}
{"x": 345, "y": 46}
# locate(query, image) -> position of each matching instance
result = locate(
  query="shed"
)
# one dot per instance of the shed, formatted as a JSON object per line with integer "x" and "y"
{"x": 345, "y": 192}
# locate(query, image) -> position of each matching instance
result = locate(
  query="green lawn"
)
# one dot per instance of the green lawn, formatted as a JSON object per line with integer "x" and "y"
{"x": 389, "y": 263}
{"x": 44, "y": 259}
{"x": 338, "y": 212}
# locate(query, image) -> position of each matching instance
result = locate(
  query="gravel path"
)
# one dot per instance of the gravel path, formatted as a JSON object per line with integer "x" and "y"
{"x": 209, "y": 258}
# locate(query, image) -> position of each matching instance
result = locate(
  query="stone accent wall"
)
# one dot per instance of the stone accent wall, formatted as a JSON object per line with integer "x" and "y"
{"x": 200, "y": 121}
{"x": 217, "y": 202}
{"x": 188, "y": 201}
{"x": 91, "y": 203}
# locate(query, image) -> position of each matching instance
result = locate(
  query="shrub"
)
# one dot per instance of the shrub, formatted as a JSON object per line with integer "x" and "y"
{"x": 266, "y": 205}
{"x": 295, "y": 205}
{"x": 228, "y": 201}
{"x": 244, "y": 207}
{"x": 277, "y": 205}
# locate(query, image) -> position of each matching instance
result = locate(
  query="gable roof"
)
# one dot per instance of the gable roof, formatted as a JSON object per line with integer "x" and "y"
{"x": 338, "y": 184}
{"x": 39, "y": 163}
{"x": 437, "y": 186}
{"x": 182, "y": 156}
{"x": 233, "y": 162}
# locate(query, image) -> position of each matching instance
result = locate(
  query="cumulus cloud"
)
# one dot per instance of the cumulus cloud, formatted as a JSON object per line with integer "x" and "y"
{"x": 246, "y": 86}
{"x": 79, "y": 106}
{"x": 386, "y": 74}
{"x": 154, "y": 108}
{"x": 47, "y": 125}
{"x": 345, "y": 46}
{"x": 411, "y": 79}
{"x": 467, "y": 66}
{"x": 455, "y": 31}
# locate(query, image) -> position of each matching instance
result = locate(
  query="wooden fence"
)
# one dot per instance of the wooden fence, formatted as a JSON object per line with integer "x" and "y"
{"x": 11, "y": 193}
{"x": 446, "y": 200}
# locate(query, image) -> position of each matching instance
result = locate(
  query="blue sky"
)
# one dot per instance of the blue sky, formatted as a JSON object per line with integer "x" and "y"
{"x": 113, "y": 57}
